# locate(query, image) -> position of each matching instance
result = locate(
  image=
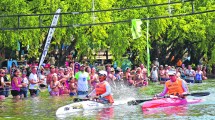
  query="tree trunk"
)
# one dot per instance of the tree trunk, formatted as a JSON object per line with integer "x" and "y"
{"x": 63, "y": 54}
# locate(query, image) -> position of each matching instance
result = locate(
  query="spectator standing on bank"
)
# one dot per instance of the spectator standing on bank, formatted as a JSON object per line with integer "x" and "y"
{"x": 204, "y": 77}
{"x": 199, "y": 75}
{"x": 49, "y": 78}
{"x": 16, "y": 84}
{"x": 12, "y": 69}
{"x": 83, "y": 80}
{"x": 25, "y": 82}
{"x": 156, "y": 63}
{"x": 190, "y": 75}
{"x": 144, "y": 71}
{"x": 154, "y": 74}
{"x": 55, "y": 85}
{"x": 182, "y": 71}
{"x": 7, "y": 81}
{"x": 34, "y": 82}
{"x": 2, "y": 93}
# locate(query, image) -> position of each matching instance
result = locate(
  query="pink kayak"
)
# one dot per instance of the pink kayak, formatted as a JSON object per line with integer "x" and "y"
{"x": 165, "y": 102}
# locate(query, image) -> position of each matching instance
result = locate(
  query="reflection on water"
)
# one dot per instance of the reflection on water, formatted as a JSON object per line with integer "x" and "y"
{"x": 176, "y": 110}
{"x": 45, "y": 108}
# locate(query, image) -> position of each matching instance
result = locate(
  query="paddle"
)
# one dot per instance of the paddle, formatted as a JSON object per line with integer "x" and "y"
{"x": 197, "y": 94}
{"x": 80, "y": 99}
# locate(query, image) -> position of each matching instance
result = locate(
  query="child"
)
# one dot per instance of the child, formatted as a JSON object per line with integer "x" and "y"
{"x": 73, "y": 88}
{"x": 24, "y": 90}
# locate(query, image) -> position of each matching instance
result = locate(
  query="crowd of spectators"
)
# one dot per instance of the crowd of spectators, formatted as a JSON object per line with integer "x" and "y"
{"x": 79, "y": 79}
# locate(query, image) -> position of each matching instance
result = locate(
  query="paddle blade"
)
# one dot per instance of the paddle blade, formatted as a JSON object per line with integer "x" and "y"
{"x": 136, "y": 102}
{"x": 80, "y": 99}
{"x": 200, "y": 94}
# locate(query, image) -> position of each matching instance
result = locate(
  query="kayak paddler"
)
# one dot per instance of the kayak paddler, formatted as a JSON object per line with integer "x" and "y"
{"x": 175, "y": 86}
{"x": 102, "y": 91}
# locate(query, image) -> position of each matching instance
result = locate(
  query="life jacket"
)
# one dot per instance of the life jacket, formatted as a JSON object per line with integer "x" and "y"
{"x": 101, "y": 89}
{"x": 174, "y": 88}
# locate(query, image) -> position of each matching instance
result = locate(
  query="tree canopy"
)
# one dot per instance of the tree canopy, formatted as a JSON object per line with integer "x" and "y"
{"x": 191, "y": 35}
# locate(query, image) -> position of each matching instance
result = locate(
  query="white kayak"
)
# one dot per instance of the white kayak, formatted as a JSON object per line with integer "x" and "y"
{"x": 79, "y": 106}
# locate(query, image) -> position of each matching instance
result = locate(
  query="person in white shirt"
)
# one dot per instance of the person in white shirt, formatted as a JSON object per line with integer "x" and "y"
{"x": 83, "y": 81}
{"x": 190, "y": 75}
{"x": 154, "y": 74}
{"x": 34, "y": 82}
{"x": 24, "y": 89}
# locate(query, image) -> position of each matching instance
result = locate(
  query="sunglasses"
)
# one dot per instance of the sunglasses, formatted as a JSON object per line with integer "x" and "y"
{"x": 102, "y": 75}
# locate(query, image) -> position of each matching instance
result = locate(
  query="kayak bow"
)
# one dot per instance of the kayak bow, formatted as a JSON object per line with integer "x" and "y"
{"x": 79, "y": 106}
{"x": 166, "y": 102}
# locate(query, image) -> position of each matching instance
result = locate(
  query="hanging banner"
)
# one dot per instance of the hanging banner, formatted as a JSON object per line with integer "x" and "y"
{"x": 49, "y": 37}
{"x": 136, "y": 28}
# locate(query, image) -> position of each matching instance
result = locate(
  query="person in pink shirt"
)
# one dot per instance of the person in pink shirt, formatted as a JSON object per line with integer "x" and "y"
{"x": 94, "y": 79}
{"x": 16, "y": 84}
{"x": 2, "y": 94}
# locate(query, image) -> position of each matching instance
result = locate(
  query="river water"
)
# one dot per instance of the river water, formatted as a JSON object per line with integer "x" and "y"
{"x": 44, "y": 107}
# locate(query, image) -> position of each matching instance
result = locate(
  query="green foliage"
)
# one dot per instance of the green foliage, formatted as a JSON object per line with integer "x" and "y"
{"x": 168, "y": 37}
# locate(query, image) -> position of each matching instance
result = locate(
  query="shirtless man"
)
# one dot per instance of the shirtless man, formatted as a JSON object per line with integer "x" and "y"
{"x": 49, "y": 78}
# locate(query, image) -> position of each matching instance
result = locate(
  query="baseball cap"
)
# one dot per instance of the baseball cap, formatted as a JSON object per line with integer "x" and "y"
{"x": 102, "y": 72}
{"x": 172, "y": 72}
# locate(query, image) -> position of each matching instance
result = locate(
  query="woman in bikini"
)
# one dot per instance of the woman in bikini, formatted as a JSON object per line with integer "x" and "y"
{"x": 55, "y": 86}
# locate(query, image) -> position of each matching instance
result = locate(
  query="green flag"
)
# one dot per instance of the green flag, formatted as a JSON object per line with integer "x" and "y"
{"x": 136, "y": 28}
